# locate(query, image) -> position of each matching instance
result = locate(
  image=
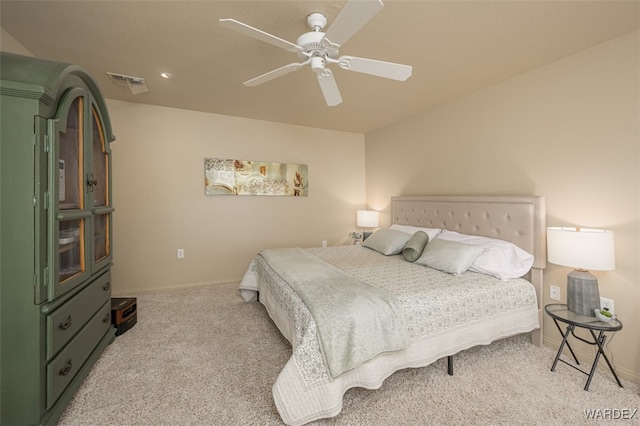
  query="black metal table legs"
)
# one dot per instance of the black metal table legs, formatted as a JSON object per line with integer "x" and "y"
{"x": 597, "y": 341}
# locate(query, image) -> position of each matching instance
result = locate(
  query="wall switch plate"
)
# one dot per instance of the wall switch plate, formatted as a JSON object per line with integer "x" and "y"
{"x": 180, "y": 253}
{"x": 607, "y": 303}
{"x": 554, "y": 292}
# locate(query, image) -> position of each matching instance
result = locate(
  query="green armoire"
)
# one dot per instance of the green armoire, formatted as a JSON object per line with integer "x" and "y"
{"x": 55, "y": 235}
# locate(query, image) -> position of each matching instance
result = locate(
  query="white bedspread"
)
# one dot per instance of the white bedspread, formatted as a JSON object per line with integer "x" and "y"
{"x": 444, "y": 314}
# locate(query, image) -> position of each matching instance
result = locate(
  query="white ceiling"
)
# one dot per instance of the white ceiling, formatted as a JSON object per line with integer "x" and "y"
{"x": 455, "y": 48}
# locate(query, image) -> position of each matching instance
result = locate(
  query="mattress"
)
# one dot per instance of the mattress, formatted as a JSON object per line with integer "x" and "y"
{"x": 443, "y": 313}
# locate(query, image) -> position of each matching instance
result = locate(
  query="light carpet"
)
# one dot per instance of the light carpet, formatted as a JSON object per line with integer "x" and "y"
{"x": 202, "y": 356}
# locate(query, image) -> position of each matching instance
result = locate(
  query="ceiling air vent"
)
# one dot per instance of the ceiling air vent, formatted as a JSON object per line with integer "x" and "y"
{"x": 135, "y": 84}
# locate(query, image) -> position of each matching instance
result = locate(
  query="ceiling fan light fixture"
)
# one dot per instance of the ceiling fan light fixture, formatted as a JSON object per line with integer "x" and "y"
{"x": 317, "y": 64}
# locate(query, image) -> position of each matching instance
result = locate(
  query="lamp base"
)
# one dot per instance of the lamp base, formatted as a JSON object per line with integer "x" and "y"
{"x": 582, "y": 293}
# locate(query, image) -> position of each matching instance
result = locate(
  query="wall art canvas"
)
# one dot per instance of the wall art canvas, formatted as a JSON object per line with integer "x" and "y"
{"x": 239, "y": 177}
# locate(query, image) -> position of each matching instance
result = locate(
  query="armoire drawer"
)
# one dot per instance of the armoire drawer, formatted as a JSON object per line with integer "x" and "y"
{"x": 69, "y": 318}
{"x": 64, "y": 367}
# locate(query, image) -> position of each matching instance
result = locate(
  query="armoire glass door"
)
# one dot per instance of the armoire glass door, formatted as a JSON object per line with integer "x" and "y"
{"x": 71, "y": 224}
{"x": 98, "y": 183}
{"x": 83, "y": 211}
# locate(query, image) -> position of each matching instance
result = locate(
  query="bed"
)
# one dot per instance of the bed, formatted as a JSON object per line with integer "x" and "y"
{"x": 418, "y": 314}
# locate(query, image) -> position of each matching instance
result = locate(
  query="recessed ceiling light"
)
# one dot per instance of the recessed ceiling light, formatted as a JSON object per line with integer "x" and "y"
{"x": 166, "y": 75}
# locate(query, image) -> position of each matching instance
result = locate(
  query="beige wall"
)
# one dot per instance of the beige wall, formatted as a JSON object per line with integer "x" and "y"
{"x": 158, "y": 193}
{"x": 567, "y": 131}
{"x": 10, "y": 44}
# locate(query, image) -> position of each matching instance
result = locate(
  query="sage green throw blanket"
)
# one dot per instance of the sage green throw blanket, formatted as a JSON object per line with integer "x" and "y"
{"x": 355, "y": 321}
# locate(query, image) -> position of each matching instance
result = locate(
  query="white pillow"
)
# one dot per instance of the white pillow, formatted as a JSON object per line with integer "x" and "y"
{"x": 449, "y": 256}
{"x": 387, "y": 241}
{"x": 431, "y": 232}
{"x": 500, "y": 258}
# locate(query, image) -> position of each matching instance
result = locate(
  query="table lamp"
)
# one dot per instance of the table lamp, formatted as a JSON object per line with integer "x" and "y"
{"x": 366, "y": 219}
{"x": 583, "y": 249}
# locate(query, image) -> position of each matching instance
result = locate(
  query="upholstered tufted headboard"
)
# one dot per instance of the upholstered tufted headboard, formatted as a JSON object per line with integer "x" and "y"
{"x": 517, "y": 219}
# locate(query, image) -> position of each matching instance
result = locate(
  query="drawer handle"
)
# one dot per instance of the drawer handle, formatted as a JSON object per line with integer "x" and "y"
{"x": 107, "y": 318}
{"x": 66, "y": 324}
{"x": 106, "y": 286}
{"x": 67, "y": 368}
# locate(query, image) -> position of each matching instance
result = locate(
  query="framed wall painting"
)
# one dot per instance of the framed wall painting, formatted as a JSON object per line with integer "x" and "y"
{"x": 224, "y": 176}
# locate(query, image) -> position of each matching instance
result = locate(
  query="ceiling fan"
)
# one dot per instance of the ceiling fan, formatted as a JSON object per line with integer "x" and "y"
{"x": 317, "y": 48}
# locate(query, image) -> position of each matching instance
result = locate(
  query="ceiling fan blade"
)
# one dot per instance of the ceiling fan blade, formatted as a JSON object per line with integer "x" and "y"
{"x": 278, "y": 72}
{"x": 353, "y": 16}
{"x": 390, "y": 70}
{"x": 329, "y": 88}
{"x": 247, "y": 30}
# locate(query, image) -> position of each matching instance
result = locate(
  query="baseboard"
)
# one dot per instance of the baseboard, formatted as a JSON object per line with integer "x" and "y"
{"x": 134, "y": 292}
{"x": 587, "y": 358}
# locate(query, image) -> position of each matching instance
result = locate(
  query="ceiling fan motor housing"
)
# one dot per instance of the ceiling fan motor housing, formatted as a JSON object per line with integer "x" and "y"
{"x": 312, "y": 44}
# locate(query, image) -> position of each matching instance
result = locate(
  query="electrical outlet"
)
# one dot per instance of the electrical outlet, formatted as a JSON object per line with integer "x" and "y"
{"x": 607, "y": 303}
{"x": 324, "y": 243}
{"x": 554, "y": 292}
{"x": 180, "y": 253}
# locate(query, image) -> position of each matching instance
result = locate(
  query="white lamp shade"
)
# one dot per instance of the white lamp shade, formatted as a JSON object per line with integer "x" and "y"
{"x": 367, "y": 218}
{"x": 581, "y": 248}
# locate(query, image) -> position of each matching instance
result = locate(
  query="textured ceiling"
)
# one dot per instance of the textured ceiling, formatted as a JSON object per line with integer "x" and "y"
{"x": 455, "y": 48}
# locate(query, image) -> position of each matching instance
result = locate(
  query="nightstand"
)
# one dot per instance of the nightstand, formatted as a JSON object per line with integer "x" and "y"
{"x": 560, "y": 313}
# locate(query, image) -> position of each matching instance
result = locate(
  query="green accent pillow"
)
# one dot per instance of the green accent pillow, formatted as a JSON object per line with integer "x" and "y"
{"x": 415, "y": 246}
{"x": 449, "y": 256}
{"x": 387, "y": 241}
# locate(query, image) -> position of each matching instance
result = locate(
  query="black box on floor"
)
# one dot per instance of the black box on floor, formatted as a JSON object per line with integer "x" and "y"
{"x": 124, "y": 313}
